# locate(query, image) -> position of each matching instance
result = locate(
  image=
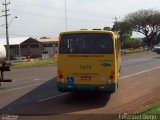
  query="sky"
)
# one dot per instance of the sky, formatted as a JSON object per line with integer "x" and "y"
{"x": 39, "y": 18}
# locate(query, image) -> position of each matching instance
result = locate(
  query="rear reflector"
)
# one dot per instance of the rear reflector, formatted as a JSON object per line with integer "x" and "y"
{"x": 61, "y": 76}
{"x": 111, "y": 77}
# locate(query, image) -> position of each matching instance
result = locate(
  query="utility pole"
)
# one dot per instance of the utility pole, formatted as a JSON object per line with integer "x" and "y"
{"x": 6, "y": 19}
{"x": 115, "y": 22}
{"x": 116, "y": 19}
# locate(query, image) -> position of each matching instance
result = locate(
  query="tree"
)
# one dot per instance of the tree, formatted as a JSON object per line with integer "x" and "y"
{"x": 127, "y": 42}
{"x": 125, "y": 32}
{"x": 122, "y": 26}
{"x": 107, "y": 28}
{"x": 146, "y": 22}
{"x": 136, "y": 43}
{"x": 158, "y": 39}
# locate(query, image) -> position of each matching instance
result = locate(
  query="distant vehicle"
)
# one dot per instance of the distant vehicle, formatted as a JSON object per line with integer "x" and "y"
{"x": 157, "y": 48}
{"x": 2, "y": 53}
{"x": 4, "y": 66}
{"x": 89, "y": 60}
{"x": 123, "y": 52}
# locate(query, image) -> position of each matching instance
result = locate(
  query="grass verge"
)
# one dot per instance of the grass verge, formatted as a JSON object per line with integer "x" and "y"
{"x": 53, "y": 61}
{"x": 151, "y": 109}
{"x": 151, "y": 112}
{"x": 128, "y": 51}
{"x": 34, "y": 63}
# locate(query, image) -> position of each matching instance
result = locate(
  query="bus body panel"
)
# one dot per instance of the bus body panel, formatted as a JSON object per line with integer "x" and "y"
{"x": 88, "y": 71}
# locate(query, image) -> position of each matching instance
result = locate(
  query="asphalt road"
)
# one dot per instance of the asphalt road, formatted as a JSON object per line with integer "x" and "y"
{"x": 33, "y": 92}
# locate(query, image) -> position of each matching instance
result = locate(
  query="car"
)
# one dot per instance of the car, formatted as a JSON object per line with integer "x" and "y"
{"x": 157, "y": 48}
{"x": 123, "y": 52}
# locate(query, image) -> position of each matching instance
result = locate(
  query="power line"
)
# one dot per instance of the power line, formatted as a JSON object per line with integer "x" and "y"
{"x": 60, "y": 17}
{"x": 31, "y": 4}
{"x": 2, "y": 25}
{"x": 27, "y": 4}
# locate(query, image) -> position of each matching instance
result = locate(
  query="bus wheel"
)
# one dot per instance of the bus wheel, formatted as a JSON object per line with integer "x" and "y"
{"x": 117, "y": 86}
{"x": 120, "y": 69}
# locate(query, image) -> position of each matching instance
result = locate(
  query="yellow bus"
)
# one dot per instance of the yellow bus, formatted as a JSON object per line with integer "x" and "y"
{"x": 88, "y": 60}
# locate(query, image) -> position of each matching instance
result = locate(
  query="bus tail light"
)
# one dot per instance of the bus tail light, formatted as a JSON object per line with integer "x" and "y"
{"x": 111, "y": 77}
{"x": 60, "y": 74}
{"x": 61, "y": 78}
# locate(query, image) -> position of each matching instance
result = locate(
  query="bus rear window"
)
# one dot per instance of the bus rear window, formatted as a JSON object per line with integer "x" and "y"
{"x": 86, "y": 43}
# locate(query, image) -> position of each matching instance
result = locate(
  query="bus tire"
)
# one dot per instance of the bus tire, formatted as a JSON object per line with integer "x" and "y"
{"x": 120, "y": 69}
{"x": 117, "y": 85}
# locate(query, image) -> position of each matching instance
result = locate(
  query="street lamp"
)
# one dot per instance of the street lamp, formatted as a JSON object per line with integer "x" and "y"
{"x": 3, "y": 25}
{"x": 12, "y": 20}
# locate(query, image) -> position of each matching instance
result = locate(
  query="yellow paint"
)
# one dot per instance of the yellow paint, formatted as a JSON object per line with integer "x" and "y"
{"x": 78, "y": 65}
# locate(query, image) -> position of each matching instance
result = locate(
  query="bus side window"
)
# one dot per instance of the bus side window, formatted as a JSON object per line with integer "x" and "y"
{"x": 117, "y": 50}
{"x": 118, "y": 47}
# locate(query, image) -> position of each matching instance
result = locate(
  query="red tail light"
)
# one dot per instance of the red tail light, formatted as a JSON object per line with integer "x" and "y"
{"x": 111, "y": 77}
{"x": 61, "y": 76}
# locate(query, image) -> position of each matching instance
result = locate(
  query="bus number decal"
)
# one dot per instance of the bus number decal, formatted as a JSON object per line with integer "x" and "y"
{"x": 85, "y": 67}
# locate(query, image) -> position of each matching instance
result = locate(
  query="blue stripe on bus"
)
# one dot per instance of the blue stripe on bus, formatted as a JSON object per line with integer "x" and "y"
{"x": 79, "y": 87}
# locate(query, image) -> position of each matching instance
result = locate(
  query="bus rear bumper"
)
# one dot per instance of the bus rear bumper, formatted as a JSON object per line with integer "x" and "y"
{"x": 83, "y": 87}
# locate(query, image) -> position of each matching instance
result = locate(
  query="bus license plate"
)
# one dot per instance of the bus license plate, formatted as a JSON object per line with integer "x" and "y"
{"x": 86, "y": 77}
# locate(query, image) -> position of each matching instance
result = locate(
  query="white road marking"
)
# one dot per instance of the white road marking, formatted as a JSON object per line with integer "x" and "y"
{"x": 27, "y": 86}
{"x": 20, "y": 79}
{"x": 37, "y": 79}
{"x": 127, "y": 76}
{"x": 52, "y": 97}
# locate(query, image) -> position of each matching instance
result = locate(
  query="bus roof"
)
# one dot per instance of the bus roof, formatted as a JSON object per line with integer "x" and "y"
{"x": 88, "y": 31}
